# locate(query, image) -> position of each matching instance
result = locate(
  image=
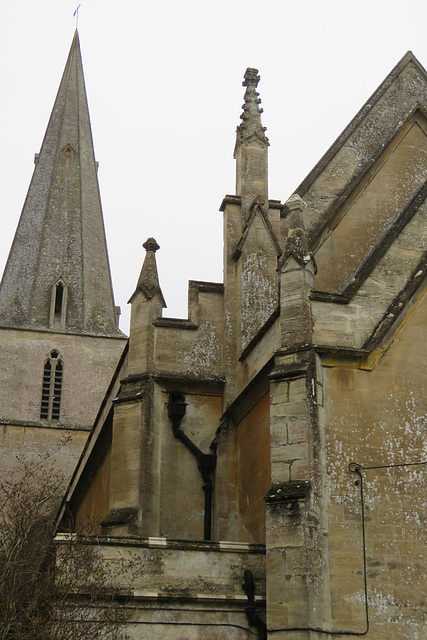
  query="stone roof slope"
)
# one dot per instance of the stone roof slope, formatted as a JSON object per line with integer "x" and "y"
{"x": 361, "y": 143}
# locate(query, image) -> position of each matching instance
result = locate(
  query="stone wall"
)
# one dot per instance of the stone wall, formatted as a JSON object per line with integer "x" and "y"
{"x": 377, "y": 418}
{"x": 86, "y": 359}
{"x": 179, "y": 589}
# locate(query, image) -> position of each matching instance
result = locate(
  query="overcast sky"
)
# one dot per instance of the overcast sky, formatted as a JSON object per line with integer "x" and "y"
{"x": 164, "y": 84}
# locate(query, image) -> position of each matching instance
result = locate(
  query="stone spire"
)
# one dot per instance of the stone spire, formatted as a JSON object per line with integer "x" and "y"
{"x": 148, "y": 281}
{"x": 57, "y": 275}
{"x": 251, "y": 150}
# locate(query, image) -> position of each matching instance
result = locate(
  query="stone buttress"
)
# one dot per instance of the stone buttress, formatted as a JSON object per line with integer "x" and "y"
{"x": 135, "y": 481}
{"x": 161, "y": 470}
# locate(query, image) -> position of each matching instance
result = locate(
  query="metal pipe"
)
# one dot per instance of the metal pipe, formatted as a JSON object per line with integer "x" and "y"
{"x": 208, "y": 489}
{"x": 206, "y": 462}
{"x": 252, "y": 614}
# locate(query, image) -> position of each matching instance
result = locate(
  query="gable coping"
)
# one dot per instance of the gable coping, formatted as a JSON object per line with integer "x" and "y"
{"x": 377, "y": 252}
{"x": 257, "y": 206}
{"x": 354, "y": 123}
{"x": 315, "y": 233}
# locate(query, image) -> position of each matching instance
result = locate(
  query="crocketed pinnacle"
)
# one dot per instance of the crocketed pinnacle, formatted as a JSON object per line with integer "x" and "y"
{"x": 148, "y": 281}
{"x": 251, "y": 116}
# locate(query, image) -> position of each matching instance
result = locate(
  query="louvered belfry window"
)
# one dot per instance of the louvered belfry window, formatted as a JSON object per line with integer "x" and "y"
{"x": 58, "y": 305}
{"x": 51, "y": 387}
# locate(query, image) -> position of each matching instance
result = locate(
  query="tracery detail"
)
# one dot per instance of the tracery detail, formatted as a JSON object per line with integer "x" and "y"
{"x": 51, "y": 387}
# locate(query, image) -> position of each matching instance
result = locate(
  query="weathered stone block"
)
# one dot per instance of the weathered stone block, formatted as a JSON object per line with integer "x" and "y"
{"x": 297, "y": 430}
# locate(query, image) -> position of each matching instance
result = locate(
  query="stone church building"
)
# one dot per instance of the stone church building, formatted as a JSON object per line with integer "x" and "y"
{"x": 262, "y": 462}
{"x": 56, "y": 299}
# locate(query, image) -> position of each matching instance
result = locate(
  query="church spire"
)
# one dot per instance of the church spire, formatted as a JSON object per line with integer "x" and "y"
{"x": 57, "y": 275}
{"x": 251, "y": 150}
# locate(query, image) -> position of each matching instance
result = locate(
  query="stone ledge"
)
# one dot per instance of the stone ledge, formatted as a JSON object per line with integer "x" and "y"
{"x": 292, "y": 370}
{"x": 228, "y": 199}
{"x": 223, "y": 546}
{"x": 206, "y": 287}
{"x": 232, "y": 598}
{"x": 325, "y": 296}
{"x": 287, "y": 491}
{"x": 175, "y": 323}
{"x": 67, "y": 332}
{"x": 116, "y": 517}
{"x": 44, "y": 425}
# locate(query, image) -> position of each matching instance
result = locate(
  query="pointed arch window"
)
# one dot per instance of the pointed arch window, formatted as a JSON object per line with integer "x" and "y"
{"x": 51, "y": 387}
{"x": 58, "y": 305}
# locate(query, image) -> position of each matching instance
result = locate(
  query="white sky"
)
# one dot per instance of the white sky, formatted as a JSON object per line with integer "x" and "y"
{"x": 165, "y": 94}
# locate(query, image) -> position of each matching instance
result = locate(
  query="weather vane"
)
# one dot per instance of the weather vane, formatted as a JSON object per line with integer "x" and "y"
{"x": 76, "y": 16}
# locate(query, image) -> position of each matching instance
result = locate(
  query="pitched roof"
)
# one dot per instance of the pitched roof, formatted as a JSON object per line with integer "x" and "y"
{"x": 361, "y": 143}
{"x": 60, "y": 235}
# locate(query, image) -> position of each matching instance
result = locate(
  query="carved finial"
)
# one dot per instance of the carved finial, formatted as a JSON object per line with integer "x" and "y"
{"x": 296, "y": 243}
{"x": 251, "y": 78}
{"x": 148, "y": 281}
{"x": 293, "y": 209}
{"x": 151, "y": 245}
{"x": 251, "y": 110}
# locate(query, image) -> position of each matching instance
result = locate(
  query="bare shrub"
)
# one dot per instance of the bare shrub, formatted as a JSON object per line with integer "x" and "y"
{"x": 49, "y": 590}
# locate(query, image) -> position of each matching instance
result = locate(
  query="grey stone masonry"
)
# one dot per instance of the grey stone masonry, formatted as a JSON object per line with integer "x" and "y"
{"x": 251, "y": 150}
{"x": 57, "y": 275}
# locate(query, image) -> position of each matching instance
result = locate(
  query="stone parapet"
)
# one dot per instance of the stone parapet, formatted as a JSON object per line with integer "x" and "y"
{"x": 164, "y": 584}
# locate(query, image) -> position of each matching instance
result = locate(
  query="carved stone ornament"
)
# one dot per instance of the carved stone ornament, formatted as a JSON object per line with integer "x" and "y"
{"x": 296, "y": 243}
